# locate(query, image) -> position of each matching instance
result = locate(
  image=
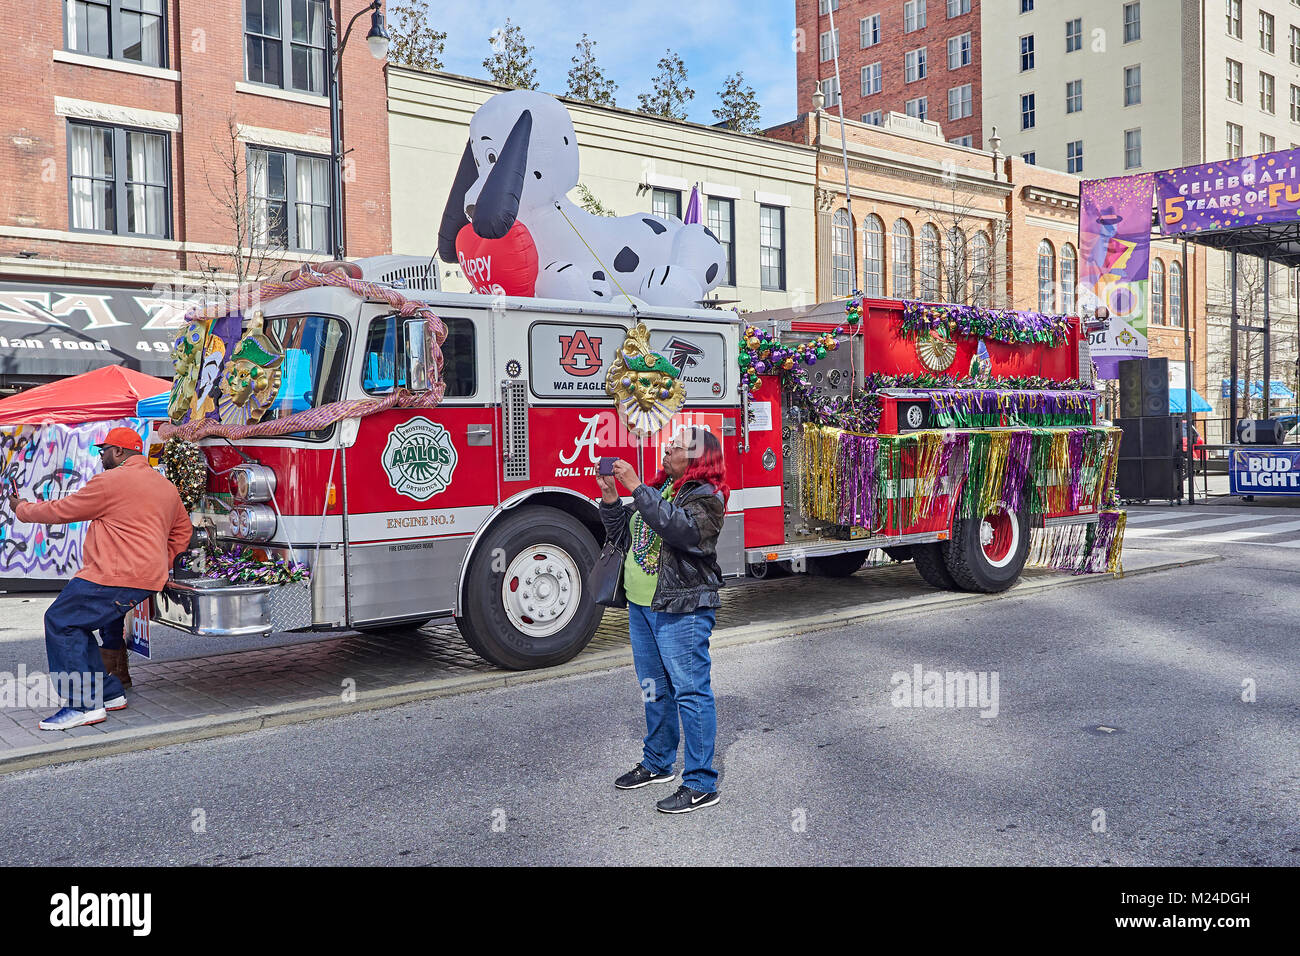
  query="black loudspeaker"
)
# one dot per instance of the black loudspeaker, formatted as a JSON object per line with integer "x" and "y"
{"x": 1148, "y": 465}
{"x": 1160, "y": 479}
{"x": 1130, "y": 441}
{"x": 1158, "y": 437}
{"x": 1155, "y": 386}
{"x": 1260, "y": 431}
{"x": 1130, "y": 388}
{"x": 1128, "y": 478}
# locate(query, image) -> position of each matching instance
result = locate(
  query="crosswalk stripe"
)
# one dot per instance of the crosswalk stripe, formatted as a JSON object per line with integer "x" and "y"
{"x": 1207, "y": 523}
{"x": 1220, "y": 539}
{"x": 1285, "y": 527}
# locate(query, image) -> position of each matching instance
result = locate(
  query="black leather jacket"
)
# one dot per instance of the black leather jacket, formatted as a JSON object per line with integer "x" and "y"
{"x": 688, "y": 526}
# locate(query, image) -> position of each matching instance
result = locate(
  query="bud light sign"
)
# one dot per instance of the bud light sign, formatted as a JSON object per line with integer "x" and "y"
{"x": 1264, "y": 473}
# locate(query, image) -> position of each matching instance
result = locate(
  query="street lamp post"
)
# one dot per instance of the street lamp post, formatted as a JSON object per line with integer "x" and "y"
{"x": 377, "y": 40}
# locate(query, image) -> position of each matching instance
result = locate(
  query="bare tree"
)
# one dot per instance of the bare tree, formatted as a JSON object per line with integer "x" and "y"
{"x": 1252, "y": 286}
{"x": 960, "y": 266}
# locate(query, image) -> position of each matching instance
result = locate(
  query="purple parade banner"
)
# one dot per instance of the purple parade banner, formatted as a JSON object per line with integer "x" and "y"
{"x": 1252, "y": 190}
{"x": 1114, "y": 252}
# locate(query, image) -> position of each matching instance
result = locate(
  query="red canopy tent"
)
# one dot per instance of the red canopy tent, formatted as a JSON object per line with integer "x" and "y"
{"x": 102, "y": 395}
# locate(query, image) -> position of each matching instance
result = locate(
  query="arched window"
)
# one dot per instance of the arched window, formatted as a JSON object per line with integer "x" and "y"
{"x": 873, "y": 256}
{"x": 1069, "y": 278}
{"x": 929, "y": 263}
{"x": 1046, "y": 277}
{"x": 981, "y": 277}
{"x": 1157, "y": 316}
{"x": 1175, "y": 294}
{"x": 841, "y": 254}
{"x": 901, "y": 271}
{"x": 957, "y": 267}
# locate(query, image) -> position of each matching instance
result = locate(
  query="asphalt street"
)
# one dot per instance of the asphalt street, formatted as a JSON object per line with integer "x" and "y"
{"x": 817, "y": 764}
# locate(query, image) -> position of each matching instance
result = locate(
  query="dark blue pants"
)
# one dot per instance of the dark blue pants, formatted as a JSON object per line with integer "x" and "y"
{"x": 70, "y": 622}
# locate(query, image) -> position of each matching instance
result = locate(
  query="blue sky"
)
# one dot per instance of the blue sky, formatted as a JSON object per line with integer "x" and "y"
{"x": 713, "y": 38}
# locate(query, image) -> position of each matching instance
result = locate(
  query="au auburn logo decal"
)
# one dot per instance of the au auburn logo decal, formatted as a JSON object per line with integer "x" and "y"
{"x": 419, "y": 459}
{"x": 580, "y": 346}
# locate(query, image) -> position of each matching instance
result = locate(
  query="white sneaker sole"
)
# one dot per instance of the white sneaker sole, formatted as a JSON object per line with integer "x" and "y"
{"x": 637, "y": 786}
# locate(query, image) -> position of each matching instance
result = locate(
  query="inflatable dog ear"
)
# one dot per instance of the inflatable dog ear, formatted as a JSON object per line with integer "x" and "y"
{"x": 497, "y": 204}
{"x": 453, "y": 216}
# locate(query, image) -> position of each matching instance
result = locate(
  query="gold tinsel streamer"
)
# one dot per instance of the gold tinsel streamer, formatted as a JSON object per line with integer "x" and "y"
{"x": 820, "y": 479}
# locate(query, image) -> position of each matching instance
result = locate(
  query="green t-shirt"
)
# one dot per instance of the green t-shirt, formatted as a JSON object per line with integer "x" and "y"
{"x": 638, "y": 582}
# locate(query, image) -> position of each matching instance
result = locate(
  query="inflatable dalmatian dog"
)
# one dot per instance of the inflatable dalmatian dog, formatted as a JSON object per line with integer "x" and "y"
{"x": 503, "y": 221}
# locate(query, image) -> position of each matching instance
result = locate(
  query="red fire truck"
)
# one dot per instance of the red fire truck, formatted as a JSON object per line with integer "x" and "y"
{"x": 484, "y": 508}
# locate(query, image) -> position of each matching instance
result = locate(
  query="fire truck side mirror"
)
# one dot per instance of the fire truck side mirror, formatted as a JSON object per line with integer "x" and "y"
{"x": 417, "y": 356}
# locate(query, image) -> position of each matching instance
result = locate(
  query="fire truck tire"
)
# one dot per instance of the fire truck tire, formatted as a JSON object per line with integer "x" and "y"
{"x": 988, "y": 554}
{"x": 542, "y": 559}
{"x": 929, "y": 562}
{"x": 836, "y": 565}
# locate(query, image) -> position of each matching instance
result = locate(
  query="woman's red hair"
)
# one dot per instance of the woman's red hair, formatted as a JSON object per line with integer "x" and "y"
{"x": 705, "y": 462}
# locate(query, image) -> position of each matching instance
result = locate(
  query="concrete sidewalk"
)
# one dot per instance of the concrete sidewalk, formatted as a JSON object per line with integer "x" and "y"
{"x": 227, "y": 693}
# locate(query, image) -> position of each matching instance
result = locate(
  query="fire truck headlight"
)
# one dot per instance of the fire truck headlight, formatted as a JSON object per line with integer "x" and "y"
{"x": 252, "y": 483}
{"x": 252, "y": 523}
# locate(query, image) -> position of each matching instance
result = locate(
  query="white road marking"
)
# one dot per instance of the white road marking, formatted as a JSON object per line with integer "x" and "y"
{"x": 1207, "y": 523}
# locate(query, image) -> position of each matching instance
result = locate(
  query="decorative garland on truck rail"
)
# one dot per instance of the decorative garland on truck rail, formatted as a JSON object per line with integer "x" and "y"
{"x": 970, "y": 321}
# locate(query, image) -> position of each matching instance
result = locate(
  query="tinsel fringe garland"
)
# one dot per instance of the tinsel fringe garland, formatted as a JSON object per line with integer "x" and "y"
{"x": 1081, "y": 548}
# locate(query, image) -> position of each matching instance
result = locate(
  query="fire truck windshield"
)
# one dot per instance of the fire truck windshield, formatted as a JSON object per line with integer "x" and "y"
{"x": 315, "y": 353}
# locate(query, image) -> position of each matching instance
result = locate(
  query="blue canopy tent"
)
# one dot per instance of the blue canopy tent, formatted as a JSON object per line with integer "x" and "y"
{"x": 1176, "y": 402}
{"x": 1276, "y": 388}
{"x": 155, "y": 406}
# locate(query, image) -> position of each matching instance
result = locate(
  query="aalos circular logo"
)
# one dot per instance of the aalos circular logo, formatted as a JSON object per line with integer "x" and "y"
{"x": 419, "y": 459}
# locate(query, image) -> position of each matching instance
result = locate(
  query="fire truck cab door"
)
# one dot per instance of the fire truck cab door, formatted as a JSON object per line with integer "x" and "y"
{"x": 419, "y": 482}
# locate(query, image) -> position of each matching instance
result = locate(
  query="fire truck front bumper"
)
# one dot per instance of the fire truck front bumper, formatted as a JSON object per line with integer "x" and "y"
{"x": 215, "y": 607}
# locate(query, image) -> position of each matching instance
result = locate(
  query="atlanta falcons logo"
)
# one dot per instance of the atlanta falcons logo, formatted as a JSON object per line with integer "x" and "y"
{"x": 683, "y": 354}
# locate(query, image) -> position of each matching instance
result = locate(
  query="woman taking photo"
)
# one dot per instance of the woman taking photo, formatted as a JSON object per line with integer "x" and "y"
{"x": 671, "y": 576}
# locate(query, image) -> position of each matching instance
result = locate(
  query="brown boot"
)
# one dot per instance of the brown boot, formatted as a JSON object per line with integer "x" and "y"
{"x": 115, "y": 663}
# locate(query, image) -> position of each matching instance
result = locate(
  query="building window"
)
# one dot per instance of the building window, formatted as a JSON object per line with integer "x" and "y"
{"x": 284, "y": 43}
{"x": 1026, "y": 6}
{"x": 841, "y": 254}
{"x": 1266, "y": 92}
{"x": 980, "y": 277}
{"x": 967, "y": 140}
{"x": 1234, "y": 81}
{"x": 1234, "y": 141}
{"x": 118, "y": 181}
{"x": 1132, "y": 148}
{"x": 1295, "y": 46}
{"x": 914, "y": 65}
{"x": 957, "y": 7}
{"x": 831, "y": 90}
{"x": 771, "y": 247}
{"x": 1266, "y": 31}
{"x": 869, "y": 30}
{"x": 133, "y": 30}
{"x": 1267, "y": 143}
{"x": 873, "y": 257}
{"x": 1027, "y": 111}
{"x": 1074, "y": 96}
{"x": 1234, "y": 18}
{"x": 1295, "y": 104}
{"x": 959, "y": 102}
{"x": 1046, "y": 277}
{"x": 929, "y": 263}
{"x": 826, "y": 6}
{"x": 1157, "y": 292}
{"x": 913, "y": 15}
{"x": 959, "y": 51}
{"x": 1074, "y": 156}
{"x": 829, "y": 47}
{"x": 900, "y": 276}
{"x": 1026, "y": 53}
{"x": 722, "y": 218}
{"x": 1030, "y": 158}
{"x": 1073, "y": 35}
{"x": 1069, "y": 278}
{"x": 1175, "y": 294}
{"x": 666, "y": 203}
{"x": 917, "y": 108}
{"x": 289, "y": 196}
{"x": 874, "y": 118}
{"x": 1132, "y": 22}
{"x": 1132, "y": 85}
{"x": 871, "y": 74}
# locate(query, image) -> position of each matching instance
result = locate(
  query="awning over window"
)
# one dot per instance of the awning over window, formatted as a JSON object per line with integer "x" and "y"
{"x": 52, "y": 329}
{"x": 1276, "y": 389}
{"x": 1176, "y": 401}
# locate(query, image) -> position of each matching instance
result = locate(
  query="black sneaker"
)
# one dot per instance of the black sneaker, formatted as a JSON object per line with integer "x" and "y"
{"x": 639, "y": 776}
{"x": 685, "y": 800}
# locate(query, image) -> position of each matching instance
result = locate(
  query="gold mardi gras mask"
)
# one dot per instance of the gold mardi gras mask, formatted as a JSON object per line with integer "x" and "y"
{"x": 646, "y": 386}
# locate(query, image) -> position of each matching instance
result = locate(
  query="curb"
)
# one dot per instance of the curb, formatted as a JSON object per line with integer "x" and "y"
{"x": 281, "y": 715}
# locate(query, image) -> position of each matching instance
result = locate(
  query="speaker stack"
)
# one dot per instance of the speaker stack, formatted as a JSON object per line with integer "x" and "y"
{"x": 1148, "y": 455}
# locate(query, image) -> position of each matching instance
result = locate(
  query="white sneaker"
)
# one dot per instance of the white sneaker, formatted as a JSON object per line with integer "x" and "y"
{"x": 116, "y": 703}
{"x": 70, "y": 717}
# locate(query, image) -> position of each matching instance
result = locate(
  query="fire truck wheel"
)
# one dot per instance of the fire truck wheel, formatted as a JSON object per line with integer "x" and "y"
{"x": 929, "y": 562}
{"x": 988, "y": 554}
{"x": 836, "y": 565}
{"x": 526, "y": 602}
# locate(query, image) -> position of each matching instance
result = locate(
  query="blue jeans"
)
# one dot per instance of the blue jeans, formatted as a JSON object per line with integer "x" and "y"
{"x": 671, "y": 653}
{"x": 70, "y": 622}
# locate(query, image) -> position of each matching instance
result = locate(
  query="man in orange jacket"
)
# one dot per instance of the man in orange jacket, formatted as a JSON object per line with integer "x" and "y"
{"x": 138, "y": 527}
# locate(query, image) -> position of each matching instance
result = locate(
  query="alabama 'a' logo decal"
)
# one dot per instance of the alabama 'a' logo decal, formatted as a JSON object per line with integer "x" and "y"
{"x": 580, "y": 353}
{"x": 419, "y": 459}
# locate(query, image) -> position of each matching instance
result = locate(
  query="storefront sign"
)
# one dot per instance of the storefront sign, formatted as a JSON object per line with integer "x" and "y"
{"x": 1264, "y": 472}
{"x": 1252, "y": 190}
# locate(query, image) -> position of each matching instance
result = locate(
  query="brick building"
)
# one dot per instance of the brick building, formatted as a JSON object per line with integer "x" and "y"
{"x": 920, "y": 58}
{"x": 125, "y": 126}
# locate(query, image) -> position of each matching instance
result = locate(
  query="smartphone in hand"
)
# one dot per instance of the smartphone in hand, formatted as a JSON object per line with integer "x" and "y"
{"x": 606, "y": 466}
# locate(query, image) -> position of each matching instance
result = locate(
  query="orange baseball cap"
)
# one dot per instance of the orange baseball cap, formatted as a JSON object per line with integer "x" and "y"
{"x": 123, "y": 438}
